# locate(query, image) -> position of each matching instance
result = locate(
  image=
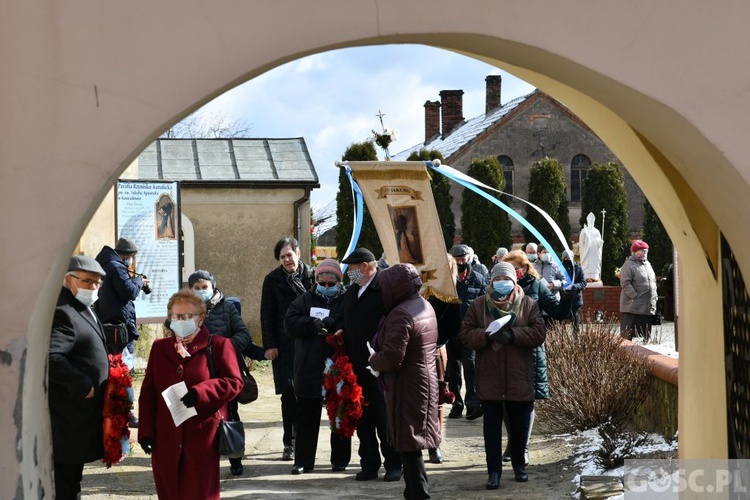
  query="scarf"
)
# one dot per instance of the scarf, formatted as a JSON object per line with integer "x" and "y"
{"x": 294, "y": 280}
{"x": 180, "y": 343}
{"x": 498, "y": 309}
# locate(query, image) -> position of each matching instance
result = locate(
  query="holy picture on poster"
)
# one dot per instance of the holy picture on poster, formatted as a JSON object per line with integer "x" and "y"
{"x": 406, "y": 229}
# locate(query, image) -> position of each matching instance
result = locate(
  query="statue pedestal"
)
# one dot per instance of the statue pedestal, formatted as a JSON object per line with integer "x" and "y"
{"x": 599, "y": 297}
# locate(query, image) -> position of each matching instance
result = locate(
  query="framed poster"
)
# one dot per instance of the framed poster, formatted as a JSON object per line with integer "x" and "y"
{"x": 148, "y": 212}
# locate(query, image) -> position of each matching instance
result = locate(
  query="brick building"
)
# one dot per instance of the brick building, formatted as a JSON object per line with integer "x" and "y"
{"x": 519, "y": 133}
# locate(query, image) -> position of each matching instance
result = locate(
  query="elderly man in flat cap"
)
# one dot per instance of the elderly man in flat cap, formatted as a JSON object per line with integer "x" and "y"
{"x": 361, "y": 313}
{"x": 119, "y": 290}
{"x": 78, "y": 372}
{"x": 470, "y": 284}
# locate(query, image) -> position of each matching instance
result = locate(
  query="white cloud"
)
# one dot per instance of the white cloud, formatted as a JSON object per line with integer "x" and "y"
{"x": 331, "y": 99}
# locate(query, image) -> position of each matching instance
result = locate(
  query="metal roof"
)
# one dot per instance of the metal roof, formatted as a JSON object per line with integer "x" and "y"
{"x": 465, "y": 133}
{"x": 224, "y": 161}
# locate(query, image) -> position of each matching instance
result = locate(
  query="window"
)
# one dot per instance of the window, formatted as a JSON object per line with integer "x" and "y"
{"x": 507, "y": 164}
{"x": 579, "y": 168}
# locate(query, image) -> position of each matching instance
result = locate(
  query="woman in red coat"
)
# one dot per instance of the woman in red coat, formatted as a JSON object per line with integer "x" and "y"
{"x": 185, "y": 458}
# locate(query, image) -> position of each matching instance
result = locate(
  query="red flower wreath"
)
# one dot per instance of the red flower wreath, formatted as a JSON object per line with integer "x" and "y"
{"x": 118, "y": 403}
{"x": 342, "y": 393}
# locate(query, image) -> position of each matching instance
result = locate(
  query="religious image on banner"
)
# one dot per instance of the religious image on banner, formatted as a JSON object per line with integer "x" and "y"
{"x": 164, "y": 218}
{"x": 399, "y": 198}
{"x": 406, "y": 230}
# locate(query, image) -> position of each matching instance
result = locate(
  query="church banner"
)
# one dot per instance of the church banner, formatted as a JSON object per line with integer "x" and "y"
{"x": 399, "y": 198}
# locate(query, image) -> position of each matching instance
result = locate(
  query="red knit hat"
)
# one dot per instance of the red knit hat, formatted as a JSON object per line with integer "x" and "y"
{"x": 638, "y": 245}
{"x": 329, "y": 266}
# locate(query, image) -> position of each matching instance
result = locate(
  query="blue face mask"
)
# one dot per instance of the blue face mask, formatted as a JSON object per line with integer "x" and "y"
{"x": 327, "y": 292}
{"x": 205, "y": 294}
{"x": 503, "y": 287}
{"x": 531, "y": 257}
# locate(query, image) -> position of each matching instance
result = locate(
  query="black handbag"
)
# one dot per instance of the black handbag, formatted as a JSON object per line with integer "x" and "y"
{"x": 230, "y": 438}
{"x": 656, "y": 318}
{"x": 249, "y": 392}
{"x": 116, "y": 336}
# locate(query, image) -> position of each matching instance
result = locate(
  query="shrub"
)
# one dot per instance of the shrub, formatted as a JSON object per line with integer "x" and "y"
{"x": 592, "y": 379}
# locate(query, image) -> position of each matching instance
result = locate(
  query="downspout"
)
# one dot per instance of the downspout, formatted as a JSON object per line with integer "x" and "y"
{"x": 298, "y": 215}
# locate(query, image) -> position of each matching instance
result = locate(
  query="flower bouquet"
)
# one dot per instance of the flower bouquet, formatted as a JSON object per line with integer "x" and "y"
{"x": 341, "y": 392}
{"x": 384, "y": 140}
{"x": 617, "y": 273}
{"x": 118, "y": 405}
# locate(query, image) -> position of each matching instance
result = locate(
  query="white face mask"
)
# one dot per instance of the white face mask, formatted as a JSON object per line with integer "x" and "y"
{"x": 544, "y": 257}
{"x": 183, "y": 327}
{"x": 87, "y": 297}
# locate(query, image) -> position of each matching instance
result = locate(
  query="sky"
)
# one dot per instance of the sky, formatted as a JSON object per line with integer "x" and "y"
{"x": 332, "y": 100}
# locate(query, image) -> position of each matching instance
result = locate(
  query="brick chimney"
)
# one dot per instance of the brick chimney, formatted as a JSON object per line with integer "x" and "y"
{"x": 453, "y": 109}
{"x": 494, "y": 85}
{"x": 431, "y": 120}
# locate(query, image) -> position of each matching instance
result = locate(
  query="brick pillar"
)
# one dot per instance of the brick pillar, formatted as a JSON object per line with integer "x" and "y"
{"x": 492, "y": 99}
{"x": 453, "y": 109}
{"x": 431, "y": 120}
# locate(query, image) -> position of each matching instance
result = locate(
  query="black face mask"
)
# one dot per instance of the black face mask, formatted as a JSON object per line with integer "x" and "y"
{"x": 462, "y": 267}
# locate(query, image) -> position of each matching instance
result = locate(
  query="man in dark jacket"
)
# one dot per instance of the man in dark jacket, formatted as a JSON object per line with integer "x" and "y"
{"x": 119, "y": 290}
{"x": 362, "y": 311}
{"x": 469, "y": 285}
{"x": 78, "y": 373}
{"x": 280, "y": 287}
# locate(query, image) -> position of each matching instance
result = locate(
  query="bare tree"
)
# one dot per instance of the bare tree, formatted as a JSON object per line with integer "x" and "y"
{"x": 217, "y": 126}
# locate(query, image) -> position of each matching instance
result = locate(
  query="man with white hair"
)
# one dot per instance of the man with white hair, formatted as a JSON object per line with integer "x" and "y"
{"x": 531, "y": 251}
{"x": 477, "y": 266}
{"x": 78, "y": 373}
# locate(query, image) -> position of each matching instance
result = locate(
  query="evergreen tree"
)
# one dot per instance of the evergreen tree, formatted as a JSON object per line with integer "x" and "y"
{"x": 368, "y": 238}
{"x": 547, "y": 190}
{"x": 484, "y": 225}
{"x": 604, "y": 188}
{"x": 659, "y": 243}
{"x": 441, "y": 190}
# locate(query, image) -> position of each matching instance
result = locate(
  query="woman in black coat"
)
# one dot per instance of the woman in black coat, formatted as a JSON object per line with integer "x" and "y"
{"x": 309, "y": 319}
{"x": 223, "y": 319}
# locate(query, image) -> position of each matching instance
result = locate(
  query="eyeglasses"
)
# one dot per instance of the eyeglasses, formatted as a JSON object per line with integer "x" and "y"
{"x": 327, "y": 284}
{"x": 96, "y": 283}
{"x": 182, "y": 317}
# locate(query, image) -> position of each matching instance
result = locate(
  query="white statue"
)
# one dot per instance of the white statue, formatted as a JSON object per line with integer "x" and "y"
{"x": 590, "y": 245}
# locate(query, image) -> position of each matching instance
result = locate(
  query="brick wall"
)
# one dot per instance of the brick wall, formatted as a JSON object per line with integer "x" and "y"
{"x": 452, "y": 109}
{"x": 602, "y": 298}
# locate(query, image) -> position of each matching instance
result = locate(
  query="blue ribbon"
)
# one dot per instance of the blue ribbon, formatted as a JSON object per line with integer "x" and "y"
{"x": 470, "y": 183}
{"x": 358, "y": 215}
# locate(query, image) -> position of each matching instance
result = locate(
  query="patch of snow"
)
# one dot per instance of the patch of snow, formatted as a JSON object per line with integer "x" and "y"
{"x": 586, "y": 443}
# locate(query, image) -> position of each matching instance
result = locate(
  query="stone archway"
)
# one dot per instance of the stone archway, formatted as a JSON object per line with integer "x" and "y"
{"x": 85, "y": 88}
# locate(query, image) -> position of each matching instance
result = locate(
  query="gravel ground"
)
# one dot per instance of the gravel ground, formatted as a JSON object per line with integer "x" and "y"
{"x": 462, "y": 475}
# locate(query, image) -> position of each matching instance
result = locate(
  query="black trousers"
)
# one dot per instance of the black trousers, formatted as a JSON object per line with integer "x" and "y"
{"x": 520, "y": 414}
{"x": 68, "y": 480}
{"x": 308, "y": 429}
{"x": 635, "y": 325}
{"x": 288, "y": 417}
{"x": 415, "y": 476}
{"x": 461, "y": 357}
{"x": 372, "y": 427}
